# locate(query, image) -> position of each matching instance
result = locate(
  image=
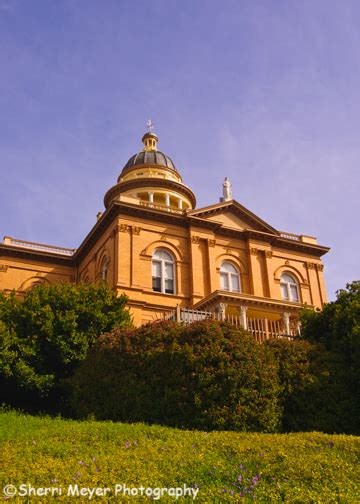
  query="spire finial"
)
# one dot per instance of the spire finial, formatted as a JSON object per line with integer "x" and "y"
{"x": 150, "y": 125}
{"x": 150, "y": 139}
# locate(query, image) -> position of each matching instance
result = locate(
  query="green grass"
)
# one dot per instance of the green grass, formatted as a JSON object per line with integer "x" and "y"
{"x": 295, "y": 468}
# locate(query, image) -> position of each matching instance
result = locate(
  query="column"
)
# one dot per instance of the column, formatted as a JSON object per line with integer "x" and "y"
{"x": 286, "y": 320}
{"x": 151, "y": 198}
{"x": 138, "y": 275}
{"x": 243, "y": 317}
{"x": 196, "y": 273}
{"x": 167, "y": 200}
{"x": 180, "y": 203}
{"x": 221, "y": 309}
{"x": 256, "y": 282}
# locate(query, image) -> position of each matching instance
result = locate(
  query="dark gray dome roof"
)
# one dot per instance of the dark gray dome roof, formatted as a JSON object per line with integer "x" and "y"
{"x": 149, "y": 157}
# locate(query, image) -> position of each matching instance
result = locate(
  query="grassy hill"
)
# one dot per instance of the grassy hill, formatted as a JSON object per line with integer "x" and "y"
{"x": 222, "y": 466}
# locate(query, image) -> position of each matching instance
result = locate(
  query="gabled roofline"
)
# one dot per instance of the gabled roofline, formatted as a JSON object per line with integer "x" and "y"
{"x": 185, "y": 219}
{"x": 239, "y": 209}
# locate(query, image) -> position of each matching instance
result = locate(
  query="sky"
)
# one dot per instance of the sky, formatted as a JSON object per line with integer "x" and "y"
{"x": 266, "y": 92}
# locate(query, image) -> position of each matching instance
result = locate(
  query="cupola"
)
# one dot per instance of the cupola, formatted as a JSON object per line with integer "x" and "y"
{"x": 150, "y": 179}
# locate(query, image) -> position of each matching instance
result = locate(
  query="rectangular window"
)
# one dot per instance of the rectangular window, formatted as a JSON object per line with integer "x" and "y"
{"x": 156, "y": 269}
{"x": 156, "y": 276}
{"x": 235, "y": 285}
{"x": 284, "y": 291}
{"x": 169, "y": 272}
{"x": 224, "y": 281}
{"x": 156, "y": 284}
{"x": 169, "y": 286}
{"x": 294, "y": 293}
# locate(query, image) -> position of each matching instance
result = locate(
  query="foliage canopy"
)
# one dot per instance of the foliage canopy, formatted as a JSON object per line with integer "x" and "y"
{"x": 206, "y": 375}
{"x": 45, "y": 335}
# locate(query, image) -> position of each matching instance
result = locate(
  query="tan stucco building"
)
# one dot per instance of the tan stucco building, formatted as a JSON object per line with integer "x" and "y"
{"x": 154, "y": 245}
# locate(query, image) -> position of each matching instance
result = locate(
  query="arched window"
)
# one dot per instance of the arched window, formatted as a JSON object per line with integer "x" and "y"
{"x": 163, "y": 278}
{"x": 289, "y": 288}
{"x": 229, "y": 277}
{"x": 104, "y": 269}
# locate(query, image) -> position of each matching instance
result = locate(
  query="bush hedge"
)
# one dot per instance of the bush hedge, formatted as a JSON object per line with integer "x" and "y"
{"x": 316, "y": 390}
{"x": 211, "y": 375}
{"x": 207, "y": 375}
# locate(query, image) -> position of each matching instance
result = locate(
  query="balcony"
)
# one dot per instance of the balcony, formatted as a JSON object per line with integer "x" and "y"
{"x": 276, "y": 325}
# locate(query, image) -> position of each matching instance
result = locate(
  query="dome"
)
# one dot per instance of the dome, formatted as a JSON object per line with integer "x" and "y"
{"x": 149, "y": 157}
{"x": 150, "y": 179}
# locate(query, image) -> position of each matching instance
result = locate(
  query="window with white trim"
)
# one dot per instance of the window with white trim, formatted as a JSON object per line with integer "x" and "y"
{"x": 229, "y": 277}
{"x": 163, "y": 272}
{"x": 104, "y": 269}
{"x": 289, "y": 288}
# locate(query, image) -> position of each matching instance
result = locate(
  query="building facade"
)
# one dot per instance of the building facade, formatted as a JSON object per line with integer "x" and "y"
{"x": 154, "y": 245}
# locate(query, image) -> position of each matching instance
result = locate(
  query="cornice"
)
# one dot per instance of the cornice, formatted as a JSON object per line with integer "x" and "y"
{"x": 34, "y": 255}
{"x": 313, "y": 248}
{"x": 146, "y": 166}
{"x": 248, "y": 299}
{"x": 96, "y": 232}
{"x": 186, "y": 220}
{"x": 149, "y": 182}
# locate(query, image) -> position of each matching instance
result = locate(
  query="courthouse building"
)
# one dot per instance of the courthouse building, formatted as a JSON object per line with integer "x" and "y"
{"x": 167, "y": 256}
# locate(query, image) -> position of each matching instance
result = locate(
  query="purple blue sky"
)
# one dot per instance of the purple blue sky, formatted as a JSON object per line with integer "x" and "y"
{"x": 266, "y": 92}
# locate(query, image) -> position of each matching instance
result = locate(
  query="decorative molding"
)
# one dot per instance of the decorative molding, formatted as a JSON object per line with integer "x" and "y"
{"x": 136, "y": 230}
{"x": 287, "y": 262}
{"x": 163, "y": 237}
{"x": 211, "y": 243}
{"x": 268, "y": 254}
{"x": 320, "y": 267}
{"x": 123, "y": 228}
{"x": 3, "y": 268}
{"x": 310, "y": 265}
{"x": 195, "y": 239}
{"x": 253, "y": 251}
{"x": 221, "y": 309}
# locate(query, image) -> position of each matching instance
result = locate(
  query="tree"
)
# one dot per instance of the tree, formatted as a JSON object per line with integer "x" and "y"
{"x": 337, "y": 326}
{"x": 44, "y": 336}
{"x": 337, "y": 330}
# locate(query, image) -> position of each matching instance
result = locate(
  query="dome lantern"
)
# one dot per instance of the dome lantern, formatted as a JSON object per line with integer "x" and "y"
{"x": 150, "y": 141}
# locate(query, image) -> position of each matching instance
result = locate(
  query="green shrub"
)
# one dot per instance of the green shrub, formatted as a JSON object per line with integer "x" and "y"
{"x": 44, "y": 336}
{"x": 316, "y": 389}
{"x": 337, "y": 329}
{"x": 207, "y": 375}
{"x": 337, "y": 326}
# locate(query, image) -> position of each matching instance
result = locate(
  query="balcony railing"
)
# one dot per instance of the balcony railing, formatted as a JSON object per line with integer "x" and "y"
{"x": 290, "y": 236}
{"x": 261, "y": 329}
{"x": 38, "y": 246}
{"x": 164, "y": 208}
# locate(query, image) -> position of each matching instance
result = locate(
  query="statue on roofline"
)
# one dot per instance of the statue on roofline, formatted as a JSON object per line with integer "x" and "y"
{"x": 227, "y": 192}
